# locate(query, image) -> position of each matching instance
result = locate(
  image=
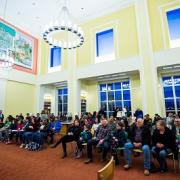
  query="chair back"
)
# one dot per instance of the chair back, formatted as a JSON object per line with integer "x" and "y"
{"x": 107, "y": 172}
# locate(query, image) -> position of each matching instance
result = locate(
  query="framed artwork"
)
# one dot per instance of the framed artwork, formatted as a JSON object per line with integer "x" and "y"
{"x": 20, "y": 45}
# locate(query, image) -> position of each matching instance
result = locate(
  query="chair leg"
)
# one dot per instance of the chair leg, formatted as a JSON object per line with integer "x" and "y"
{"x": 174, "y": 162}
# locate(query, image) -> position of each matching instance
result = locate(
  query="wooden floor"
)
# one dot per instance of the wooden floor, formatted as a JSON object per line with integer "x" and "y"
{"x": 20, "y": 164}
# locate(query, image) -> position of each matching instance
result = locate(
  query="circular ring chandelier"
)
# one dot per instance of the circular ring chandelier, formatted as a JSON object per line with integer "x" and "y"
{"x": 63, "y": 25}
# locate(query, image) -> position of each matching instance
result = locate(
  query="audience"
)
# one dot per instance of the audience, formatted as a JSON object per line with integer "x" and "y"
{"x": 121, "y": 131}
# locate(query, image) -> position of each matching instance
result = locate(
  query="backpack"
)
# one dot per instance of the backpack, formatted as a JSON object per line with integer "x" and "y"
{"x": 33, "y": 146}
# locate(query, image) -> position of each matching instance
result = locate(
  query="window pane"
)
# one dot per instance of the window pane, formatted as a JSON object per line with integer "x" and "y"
{"x": 173, "y": 18}
{"x": 118, "y": 103}
{"x": 103, "y": 96}
{"x": 167, "y": 81}
{"x": 126, "y": 95}
{"x": 59, "y": 91}
{"x": 169, "y": 104}
{"x": 65, "y": 99}
{"x": 176, "y": 80}
{"x": 177, "y": 91}
{"x": 102, "y": 87}
{"x": 104, "y": 43}
{"x": 104, "y": 106}
{"x": 110, "y": 87}
{"x": 117, "y": 85}
{"x": 59, "y": 107}
{"x": 168, "y": 92}
{"x": 111, "y": 106}
{"x": 60, "y": 99}
{"x": 126, "y": 85}
{"x": 65, "y": 91}
{"x": 111, "y": 95}
{"x": 127, "y": 104}
{"x": 55, "y": 57}
{"x": 178, "y": 103}
{"x": 118, "y": 95}
{"x": 64, "y": 108}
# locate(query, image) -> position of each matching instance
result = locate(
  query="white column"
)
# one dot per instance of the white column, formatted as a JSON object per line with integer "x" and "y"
{"x": 148, "y": 71}
{"x": 74, "y": 85}
{"x": 40, "y": 98}
{"x": 3, "y": 83}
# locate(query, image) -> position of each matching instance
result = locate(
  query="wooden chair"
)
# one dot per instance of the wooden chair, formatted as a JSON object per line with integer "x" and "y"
{"x": 107, "y": 172}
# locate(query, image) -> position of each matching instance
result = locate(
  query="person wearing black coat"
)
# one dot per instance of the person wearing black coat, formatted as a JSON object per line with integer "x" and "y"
{"x": 140, "y": 137}
{"x": 163, "y": 142}
{"x": 118, "y": 140}
{"x": 73, "y": 135}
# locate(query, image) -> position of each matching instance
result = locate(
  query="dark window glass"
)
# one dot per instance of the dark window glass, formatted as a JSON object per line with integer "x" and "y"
{"x": 168, "y": 92}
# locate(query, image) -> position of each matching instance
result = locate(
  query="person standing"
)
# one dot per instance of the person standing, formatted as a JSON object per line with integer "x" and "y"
{"x": 1, "y": 115}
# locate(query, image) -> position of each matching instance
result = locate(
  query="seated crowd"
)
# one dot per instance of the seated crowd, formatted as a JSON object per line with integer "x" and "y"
{"x": 154, "y": 138}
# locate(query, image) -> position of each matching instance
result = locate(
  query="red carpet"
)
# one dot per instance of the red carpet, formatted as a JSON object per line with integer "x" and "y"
{"x": 18, "y": 164}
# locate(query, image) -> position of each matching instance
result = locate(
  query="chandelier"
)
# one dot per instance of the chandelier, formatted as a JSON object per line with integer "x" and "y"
{"x": 6, "y": 55}
{"x": 63, "y": 24}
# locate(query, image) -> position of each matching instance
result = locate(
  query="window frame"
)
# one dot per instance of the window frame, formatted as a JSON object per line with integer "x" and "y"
{"x": 115, "y": 90}
{"x": 55, "y": 68}
{"x": 174, "y": 98}
{"x": 62, "y": 104}
{"x": 100, "y": 59}
{"x": 172, "y": 43}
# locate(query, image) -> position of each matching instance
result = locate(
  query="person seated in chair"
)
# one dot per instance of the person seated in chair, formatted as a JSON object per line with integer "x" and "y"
{"x": 73, "y": 135}
{"x": 4, "y": 131}
{"x": 163, "y": 142}
{"x": 85, "y": 136}
{"x": 140, "y": 137}
{"x": 40, "y": 135}
{"x": 176, "y": 129}
{"x": 118, "y": 140}
{"x": 55, "y": 127}
{"x": 101, "y": 140}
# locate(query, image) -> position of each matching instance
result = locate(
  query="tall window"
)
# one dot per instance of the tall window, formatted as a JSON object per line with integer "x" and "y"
{"x": 171, "y": 87}
{"x": 105, "y": 45}
{"x": 114, "y": 95}
{"x": 63, "y": 101}
{"x": 55, "y": 59}
{"x": 173, "y": 18}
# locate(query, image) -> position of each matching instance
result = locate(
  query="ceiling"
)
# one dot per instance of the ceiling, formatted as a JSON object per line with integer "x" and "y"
{"x": 32, "y": 15}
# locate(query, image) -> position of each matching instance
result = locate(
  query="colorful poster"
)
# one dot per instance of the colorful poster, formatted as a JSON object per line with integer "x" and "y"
{"x": 23, "y": 48}
{"x": 18, "y": 45}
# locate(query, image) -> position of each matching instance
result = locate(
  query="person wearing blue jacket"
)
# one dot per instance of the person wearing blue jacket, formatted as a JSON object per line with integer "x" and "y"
{"x": 55, "y": 127}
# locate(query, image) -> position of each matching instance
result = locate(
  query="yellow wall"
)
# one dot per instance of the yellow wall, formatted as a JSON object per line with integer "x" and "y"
{"x": 92, "y": 96}
{"x": 136, "y": 94}
{"x": 20, "y": 98}
{"x": 125, "y": 35}
{"x": 158, "y": 24}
